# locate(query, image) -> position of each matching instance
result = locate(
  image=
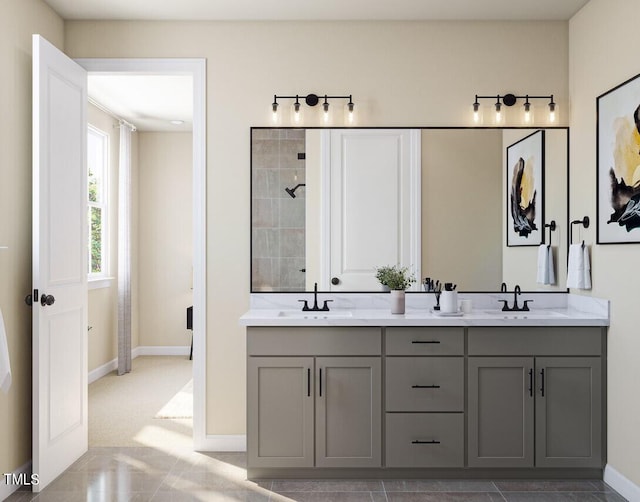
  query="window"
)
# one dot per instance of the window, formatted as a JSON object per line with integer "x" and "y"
{"x": 97, "y": 165}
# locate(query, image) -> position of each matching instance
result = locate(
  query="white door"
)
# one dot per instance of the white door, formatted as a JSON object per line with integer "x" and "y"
{"x": 60, "y": 418}
{"x": 374, "y": 201}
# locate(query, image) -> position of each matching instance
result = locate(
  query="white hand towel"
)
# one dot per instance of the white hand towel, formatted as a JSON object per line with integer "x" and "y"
{"x": 546, "y": 273}
{"x": 575, "y": 268}
{"x": 587, "y": 268}
{"x": 5, "y": 367}
{"x": 543, "y": 265}
{"x": 579, "y": 271}
{"x": 551, "y": 267}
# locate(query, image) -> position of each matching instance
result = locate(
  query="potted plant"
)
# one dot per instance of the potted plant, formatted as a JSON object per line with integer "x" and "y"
{"x": 397, "y": 279}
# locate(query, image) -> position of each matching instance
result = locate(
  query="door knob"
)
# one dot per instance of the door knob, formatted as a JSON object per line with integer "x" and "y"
{"x": 47, "y": 300}
{"x": 28, "y": 300}
{"x": 335, "y": 281}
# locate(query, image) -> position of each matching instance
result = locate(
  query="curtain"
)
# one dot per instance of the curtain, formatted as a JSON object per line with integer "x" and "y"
{"x": 124, "y": 251}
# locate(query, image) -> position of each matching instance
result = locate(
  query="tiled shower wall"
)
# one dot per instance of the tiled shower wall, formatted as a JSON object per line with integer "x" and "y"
{"x": 278, "y": 221}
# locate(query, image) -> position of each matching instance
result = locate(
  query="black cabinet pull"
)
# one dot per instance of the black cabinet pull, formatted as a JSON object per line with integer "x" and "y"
{"x": 531, "y": 382}
{"x": 425, "y": 341}
{"x": 320, "y": 380}
{"x": 542, "y": 382}
{"x": 417, "y": 441}
{"x": 308, "y": 382}
{"x": 425, "y": 386}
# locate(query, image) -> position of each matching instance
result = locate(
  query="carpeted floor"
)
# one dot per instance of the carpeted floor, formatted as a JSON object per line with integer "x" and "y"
{"x": 126, "y": 410}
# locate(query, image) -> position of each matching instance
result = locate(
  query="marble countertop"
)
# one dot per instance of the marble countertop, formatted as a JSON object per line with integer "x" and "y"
{"x": 421, "y": 317}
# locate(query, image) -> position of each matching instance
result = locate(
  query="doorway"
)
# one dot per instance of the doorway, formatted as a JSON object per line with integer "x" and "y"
{"x": 195, "y": 69}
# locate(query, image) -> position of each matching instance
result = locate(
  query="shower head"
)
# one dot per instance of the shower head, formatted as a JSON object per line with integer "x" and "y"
{"x": 292, "y": 191}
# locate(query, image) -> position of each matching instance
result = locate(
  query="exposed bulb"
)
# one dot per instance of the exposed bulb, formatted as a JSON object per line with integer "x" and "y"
{"x": 296, "y": 113}
{"x": 527, "y": 113}
{"x": 498, "y": 113}
{"x": 350, "y": 116}
{"x": 325, "y": 107}
{"x": 274, "y": 115}
{"x": 476, "y": 113}
{"x": 552, "y": 113}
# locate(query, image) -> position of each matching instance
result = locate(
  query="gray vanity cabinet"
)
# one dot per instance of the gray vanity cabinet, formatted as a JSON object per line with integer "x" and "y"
{"x": 314, "y": 397}
{"x": 348, "y": 412}
{"x": 424, "y": 397}
{"x": 280, "y": 411}
{"x": 500, "y": 409}
{"x": 569, "y": 412}
{"x": 555, "y": 371}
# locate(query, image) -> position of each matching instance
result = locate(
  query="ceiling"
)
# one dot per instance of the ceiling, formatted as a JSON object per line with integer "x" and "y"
{"x": 150, "y": 102}
{"x": 316, "y": 10}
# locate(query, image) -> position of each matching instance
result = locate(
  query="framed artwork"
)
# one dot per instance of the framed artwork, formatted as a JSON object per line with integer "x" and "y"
{"x": 618, "y": 164}
{"x": 525, "y": 187}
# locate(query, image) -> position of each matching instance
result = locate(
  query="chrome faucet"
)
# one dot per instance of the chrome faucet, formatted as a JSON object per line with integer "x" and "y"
{"x": 516, "y": 307}
{"x": 315, "y": 308}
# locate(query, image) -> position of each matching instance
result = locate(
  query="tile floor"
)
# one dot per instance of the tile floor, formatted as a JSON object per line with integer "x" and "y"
{"x": 148, "y": 474}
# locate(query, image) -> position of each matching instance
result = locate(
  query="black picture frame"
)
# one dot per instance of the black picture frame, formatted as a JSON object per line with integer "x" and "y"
{"x": 618, "y": 164}
{"x": 524, "y": 177}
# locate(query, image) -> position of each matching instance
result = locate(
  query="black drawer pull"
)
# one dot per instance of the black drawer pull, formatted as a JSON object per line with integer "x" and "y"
{"x": 425, "y": 386}
{"x": 425, "y": 341}
{"x": 417, "y": 441}
{"x": 308, "y": 382}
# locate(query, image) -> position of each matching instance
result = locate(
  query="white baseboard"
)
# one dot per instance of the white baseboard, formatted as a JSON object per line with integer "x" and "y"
{"x": 5, "y": 489}
{"x": 103, "y": 370}
{"x": 150, "y": 350}
{"x": 623, "y": 485}
{"x": 236, "y": 442}
{"x": 158, "y": 350}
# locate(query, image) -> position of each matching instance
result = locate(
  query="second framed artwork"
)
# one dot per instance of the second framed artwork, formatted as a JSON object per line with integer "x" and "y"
{"x": 618, "y": 165}
{"x": 525, "y": 191}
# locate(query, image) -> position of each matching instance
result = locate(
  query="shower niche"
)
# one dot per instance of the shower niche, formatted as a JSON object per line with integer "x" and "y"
{"x": 278, "y": 197}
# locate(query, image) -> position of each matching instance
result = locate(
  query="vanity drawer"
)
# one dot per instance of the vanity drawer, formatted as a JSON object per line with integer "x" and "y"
{"x": 535, "y": 341}
{"x": 314, "y": 341}
{"x": 429, "y": 341}
{"x": 424, "y": 384}
{"x": 424, "y": 440}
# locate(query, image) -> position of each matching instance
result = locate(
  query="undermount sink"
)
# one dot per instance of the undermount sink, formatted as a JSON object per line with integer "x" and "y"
{"x": 299, "y": 314}
{"x": 525, "y": 315}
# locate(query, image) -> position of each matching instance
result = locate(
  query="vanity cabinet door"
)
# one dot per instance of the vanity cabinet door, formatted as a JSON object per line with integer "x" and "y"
{"x": 568, "y": 412}
{"x": 500, "y": 407}
{"x": 280, "y": 411}
{"x": 348, "y": 412}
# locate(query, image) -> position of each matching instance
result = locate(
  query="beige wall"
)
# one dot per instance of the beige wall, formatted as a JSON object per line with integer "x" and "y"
{"x": 457, "y": 232}
{"x": 18, "y": 20}
{"x": 520, "y": 264}
{"x": 400, "y": 73}
{"x": 604, "y": 53}
{"x": 165, "y": 247}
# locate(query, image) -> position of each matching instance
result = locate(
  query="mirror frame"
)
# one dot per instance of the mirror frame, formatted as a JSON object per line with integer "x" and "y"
{"x": 568, "y": 206}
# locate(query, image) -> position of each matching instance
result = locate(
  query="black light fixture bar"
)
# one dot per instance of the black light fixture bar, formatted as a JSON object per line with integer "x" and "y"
{"x": 312, "y": 100}
{"x": 510, "y": 99}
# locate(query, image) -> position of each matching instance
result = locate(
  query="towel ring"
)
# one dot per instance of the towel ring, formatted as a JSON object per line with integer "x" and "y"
{"x": 552, "y": 228}
{"x": 584, "y": 222}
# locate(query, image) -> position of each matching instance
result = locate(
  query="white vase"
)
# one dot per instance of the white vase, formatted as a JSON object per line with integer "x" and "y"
{"x": 397, "y": 301}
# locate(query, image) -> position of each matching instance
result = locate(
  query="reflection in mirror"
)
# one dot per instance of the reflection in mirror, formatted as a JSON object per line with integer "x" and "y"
{"x": 461, "y": 209}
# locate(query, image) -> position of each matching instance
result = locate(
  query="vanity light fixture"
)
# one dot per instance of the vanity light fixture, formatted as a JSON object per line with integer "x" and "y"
{"x": 312, "y": 100}
{"x": 510, "y": 100}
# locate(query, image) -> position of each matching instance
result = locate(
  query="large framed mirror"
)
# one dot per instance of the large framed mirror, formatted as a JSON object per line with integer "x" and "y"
{"x": 446, "y": 202}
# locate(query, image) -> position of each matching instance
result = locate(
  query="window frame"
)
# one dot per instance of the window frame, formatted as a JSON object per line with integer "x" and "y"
{"x": 103, "y": 205}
